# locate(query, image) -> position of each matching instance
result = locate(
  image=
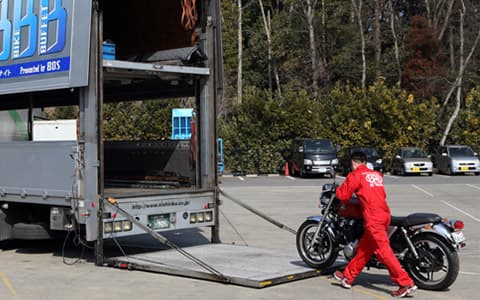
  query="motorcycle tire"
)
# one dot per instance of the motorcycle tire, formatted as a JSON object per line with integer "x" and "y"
{"x": 322, "y": 256}
{"x": 436, "y": 259}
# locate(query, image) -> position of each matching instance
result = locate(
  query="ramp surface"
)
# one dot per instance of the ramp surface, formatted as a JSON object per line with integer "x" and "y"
{"x": 240, "y": 265}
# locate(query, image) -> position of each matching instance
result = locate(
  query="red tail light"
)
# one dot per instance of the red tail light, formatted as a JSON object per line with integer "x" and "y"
{"x": 458, "y": 225}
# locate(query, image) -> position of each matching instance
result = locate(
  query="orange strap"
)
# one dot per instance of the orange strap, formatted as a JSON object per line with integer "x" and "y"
{"x": 189, "y": 14}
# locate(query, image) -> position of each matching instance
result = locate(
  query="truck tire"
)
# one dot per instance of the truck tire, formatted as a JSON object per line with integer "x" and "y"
{"x": 27, "y": 231}
{"x": 5, "y": 228}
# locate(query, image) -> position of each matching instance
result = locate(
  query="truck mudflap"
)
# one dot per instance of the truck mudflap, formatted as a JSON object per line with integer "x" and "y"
{"x": 240, "y": 265}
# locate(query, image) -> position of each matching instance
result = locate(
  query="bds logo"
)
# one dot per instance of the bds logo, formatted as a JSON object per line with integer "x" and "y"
{"x": 27, "y": 30}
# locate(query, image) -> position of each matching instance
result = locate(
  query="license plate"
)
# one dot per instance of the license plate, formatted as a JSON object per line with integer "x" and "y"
{"x": 458, "y": 237}
{"x": 464, "y": 168}
{"x": 416, "y": 169}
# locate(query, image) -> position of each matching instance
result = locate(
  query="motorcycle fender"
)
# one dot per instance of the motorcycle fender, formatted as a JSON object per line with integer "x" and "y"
{"x": 318, "y": 219}
{"x": 442, "y": 232}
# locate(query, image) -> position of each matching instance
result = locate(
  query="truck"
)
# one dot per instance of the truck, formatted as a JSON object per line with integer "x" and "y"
{"x": 53, "y": 55}
{"x": 89, "y": 54}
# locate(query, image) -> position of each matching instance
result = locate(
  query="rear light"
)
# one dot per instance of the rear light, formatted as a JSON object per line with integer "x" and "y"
{"x": 208, "y": 216}
{"x": 108, "y": 227}
{"x": 201, "y": 217}
{"x": 458, "y": 225}
{"x": 117, "y": 226}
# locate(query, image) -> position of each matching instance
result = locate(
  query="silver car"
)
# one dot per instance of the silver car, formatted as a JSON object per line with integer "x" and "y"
{"x": 457, "y": 159}
{"x": 411, "y": 160}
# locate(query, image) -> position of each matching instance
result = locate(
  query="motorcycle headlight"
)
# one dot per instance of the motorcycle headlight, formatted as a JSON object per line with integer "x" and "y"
{"x": 370, "y": 165}
{"x": 307, "y": 162}
{"x": 379, "y": 161}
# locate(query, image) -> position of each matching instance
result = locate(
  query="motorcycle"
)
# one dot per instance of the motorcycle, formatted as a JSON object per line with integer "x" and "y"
{"x": 425, "y": 243}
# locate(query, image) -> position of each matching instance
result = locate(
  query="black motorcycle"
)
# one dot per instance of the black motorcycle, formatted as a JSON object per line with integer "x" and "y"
{"x": 425, "y": 244}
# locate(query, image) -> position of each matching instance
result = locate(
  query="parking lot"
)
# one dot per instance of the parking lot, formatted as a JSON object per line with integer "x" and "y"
{"x": 32, "y": 270}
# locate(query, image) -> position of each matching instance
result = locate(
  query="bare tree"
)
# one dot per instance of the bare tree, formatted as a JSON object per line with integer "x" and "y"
{"x": 268, "y": 31}
{"x": 240, "y": 54}
{"x": 458, "y": 81}
{"x": 438, "y": 14}
{"x": 309, "y": 11}
{"x": 358, "y": 12}
{"x": 378, "y": 40}
{"x": 395, "y": 41}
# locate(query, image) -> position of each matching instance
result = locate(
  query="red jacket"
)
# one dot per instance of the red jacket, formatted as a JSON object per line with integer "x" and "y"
{"x": 368, "y": 186}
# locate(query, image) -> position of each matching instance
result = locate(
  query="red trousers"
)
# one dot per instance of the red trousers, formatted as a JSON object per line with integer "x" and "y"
{"x": 375, "y": 241}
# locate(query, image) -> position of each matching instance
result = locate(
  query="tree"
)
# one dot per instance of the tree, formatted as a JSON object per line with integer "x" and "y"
{"x": 423, "y": 71}
{"x": 358, "y": 13}
{"x": 463, "y": 63}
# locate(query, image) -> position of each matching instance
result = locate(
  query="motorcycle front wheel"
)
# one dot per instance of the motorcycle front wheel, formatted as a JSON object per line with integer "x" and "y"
{"x": 320, "y": 255}
{"x": 438, "y": 265}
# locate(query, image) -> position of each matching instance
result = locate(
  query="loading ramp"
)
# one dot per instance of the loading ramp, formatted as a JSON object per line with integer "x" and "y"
{"x": 240, "y": 265}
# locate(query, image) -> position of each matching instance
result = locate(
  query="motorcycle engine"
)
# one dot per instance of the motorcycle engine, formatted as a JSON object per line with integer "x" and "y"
{"x": 352, "y": 231}
{"x": 350, "y": 249}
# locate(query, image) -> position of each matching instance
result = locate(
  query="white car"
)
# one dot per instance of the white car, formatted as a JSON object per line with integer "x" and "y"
{"x": 411, "y": 160}
{"x": 457, "y": 159}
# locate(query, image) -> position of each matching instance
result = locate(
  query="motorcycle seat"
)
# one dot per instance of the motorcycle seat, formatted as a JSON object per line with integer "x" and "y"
{"x": 415, "y": 219}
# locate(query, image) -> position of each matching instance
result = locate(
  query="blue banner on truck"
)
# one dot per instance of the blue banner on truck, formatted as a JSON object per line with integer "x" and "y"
{"x": 45, "y": 41}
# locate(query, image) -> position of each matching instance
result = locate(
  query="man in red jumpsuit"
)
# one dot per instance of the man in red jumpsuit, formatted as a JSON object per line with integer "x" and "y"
{"x": 368, "y": 186}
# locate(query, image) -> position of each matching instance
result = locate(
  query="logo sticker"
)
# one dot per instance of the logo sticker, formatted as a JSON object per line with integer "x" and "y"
{"x": 374, "y": 179}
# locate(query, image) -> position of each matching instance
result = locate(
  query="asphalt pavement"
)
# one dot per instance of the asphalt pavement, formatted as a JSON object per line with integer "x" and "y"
{"x": 39, "y": 270}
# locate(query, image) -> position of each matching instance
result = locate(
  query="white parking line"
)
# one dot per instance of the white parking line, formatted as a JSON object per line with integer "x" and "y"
{"x": 391, "y": 176}
{"x": 442, "y": 175}
{"x": 422, "y": 190}
{"x": 290, "y": 177}
{"x": 473, "y": 186}
{"x": 470, "y": 273}
{"x": 463, "y": 212}
{"x": 241, "y": 178}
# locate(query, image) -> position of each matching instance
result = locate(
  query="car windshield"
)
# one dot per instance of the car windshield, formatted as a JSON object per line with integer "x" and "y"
{"x": 369, "y": 151}
{"x": 460, "y": 151}
{"x": 319, "y": 147}
{"x": 414, "y": 153}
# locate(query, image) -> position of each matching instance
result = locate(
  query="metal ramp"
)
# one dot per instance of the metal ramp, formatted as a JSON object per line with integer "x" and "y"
{"x": 240, "y": 265}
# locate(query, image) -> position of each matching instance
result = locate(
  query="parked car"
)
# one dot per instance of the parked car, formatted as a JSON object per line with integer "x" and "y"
{"x": 374, "y": 159}
{"x": 457, "y": 159}
{"x": 411, "y": 160}
{"x": 312, "y": 157}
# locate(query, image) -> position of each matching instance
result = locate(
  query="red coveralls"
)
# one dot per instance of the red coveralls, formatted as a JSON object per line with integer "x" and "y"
{"x": 368, "y": 186}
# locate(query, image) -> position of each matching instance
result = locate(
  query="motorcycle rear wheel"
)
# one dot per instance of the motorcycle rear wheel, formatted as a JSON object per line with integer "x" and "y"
{"x": 320, "y": 256}
{"x": 438, "y": 265}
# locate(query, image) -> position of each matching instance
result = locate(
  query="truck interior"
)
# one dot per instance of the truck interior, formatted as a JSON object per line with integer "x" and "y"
{"x": 149, "y": 65}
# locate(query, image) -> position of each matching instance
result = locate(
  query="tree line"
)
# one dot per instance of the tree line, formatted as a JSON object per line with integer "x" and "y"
{"x": 385, "y": 73}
